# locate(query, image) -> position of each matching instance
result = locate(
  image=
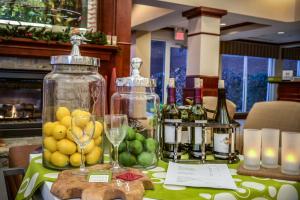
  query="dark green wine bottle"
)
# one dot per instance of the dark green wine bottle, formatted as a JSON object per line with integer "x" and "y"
{"x": 170, "y": 114}
{"x": 198, "y": 115}
{"x": 221, "y": 135}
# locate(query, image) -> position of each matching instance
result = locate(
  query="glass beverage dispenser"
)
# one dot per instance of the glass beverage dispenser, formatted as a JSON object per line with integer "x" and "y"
{"x": 73, "y": 88}
{"x": 136, "y": 98}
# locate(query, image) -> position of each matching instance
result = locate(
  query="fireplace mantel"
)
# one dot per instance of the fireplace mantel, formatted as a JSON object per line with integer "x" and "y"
{"x": 23, "y": 47}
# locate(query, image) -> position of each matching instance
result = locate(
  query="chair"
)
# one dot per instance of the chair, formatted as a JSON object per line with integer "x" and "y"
{"x": 210, "y": 103}
{"x": 5, "y": 174}
{"x": 18, "y": 157}
{"x": 282, "y": 115}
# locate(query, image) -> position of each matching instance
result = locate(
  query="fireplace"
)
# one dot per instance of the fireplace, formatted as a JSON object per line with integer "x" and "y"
{"x": 21, "y": 99}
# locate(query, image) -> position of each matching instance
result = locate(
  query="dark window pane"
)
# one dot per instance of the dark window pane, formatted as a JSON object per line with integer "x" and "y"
{"x": 178, "y": 70}
{"x": 290, "y": 65}
{"x": 232, "y": 73}
{"x": 157, "y": 65}
{"x": 257, "y": 80}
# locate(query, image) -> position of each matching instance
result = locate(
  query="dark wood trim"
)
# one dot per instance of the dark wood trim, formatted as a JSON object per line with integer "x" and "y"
{"x": 239, "y": 25}
{"x": 203, "y": 33}
{"x": 240, "y": 115}
{"x": 204, "y": 11}
{"x": 23, "y": 47}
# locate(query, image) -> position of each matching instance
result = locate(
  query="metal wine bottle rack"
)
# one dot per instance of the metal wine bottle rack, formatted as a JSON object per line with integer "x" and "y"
{"x": 232, "y": 152}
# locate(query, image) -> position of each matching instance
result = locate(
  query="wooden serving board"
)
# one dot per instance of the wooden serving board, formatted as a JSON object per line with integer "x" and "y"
{"x": 69, "y": 186}
{"x": 267, "y": 173}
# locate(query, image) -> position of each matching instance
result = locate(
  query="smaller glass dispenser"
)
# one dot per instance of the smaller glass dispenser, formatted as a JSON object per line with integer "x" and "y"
{"x": 136, "y": 98}
{"x": 73, "y": 91}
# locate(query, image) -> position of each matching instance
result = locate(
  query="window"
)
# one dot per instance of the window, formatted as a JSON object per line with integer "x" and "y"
{"x": 246, "y": 79}
{"x": 292, "y": 65}
{"x": 178, "y": 59}
{"x": 168, "y": 60}
{"x": 157, "y": 65}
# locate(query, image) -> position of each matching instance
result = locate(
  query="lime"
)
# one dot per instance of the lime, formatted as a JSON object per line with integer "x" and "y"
{"x": 122, "y": 147}
{"x": 135, "y": 147}
{"x": 130, "y": 134}
{"x": 150, "y": 145}
{"x": 139, "y": 137}
{"x": 146, "y": 159}
{"x": 127, "y": 159}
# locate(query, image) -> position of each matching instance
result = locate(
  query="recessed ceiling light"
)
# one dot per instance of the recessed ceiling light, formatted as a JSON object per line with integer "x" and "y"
{"x": 223, "y": 24}
{"x": 280, "y": 32}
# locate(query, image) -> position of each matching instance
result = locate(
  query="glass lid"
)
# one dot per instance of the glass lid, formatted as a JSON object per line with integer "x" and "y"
{"x": 75, "y": 57}
{"x": 136, "y": 80}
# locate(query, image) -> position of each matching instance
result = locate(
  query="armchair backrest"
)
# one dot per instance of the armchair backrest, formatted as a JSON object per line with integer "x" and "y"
{"x": 283, "y": 115}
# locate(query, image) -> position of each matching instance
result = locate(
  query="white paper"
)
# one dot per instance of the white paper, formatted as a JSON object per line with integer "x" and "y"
{"x": 200, "y": 175}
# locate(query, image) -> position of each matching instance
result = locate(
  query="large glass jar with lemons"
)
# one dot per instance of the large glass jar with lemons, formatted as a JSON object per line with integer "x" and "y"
{"x": 73, "y": 90}
{"x": 136, "y": 98}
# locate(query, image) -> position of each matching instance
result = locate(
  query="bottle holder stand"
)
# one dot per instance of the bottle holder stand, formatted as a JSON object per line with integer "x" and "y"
{"x": 232, "y": 152}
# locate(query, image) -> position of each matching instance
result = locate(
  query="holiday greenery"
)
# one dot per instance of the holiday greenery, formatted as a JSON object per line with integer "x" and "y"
{"x": 37, "y": 33}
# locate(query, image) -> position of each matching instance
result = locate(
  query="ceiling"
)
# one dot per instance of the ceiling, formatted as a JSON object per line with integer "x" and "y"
{"x": 257, "y": 25}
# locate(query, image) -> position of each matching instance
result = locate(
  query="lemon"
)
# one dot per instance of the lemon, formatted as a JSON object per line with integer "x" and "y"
{"x": 47, "y": 155}
{"x": 59, "y": 159}
{"x": 56, "y": 123}
{"x": 62, "y": 112}
{"x": 81, "y": 120}
{"x": 89, "y": 147}
{"x": 50, "y": 144}
{"x": 47, "y": 128}
{"x": 66, "y": 121}
{"x": 98, "y": 140}
{"x": 66, "y": 147}
{"x": 76, "y": 112}
{"x": 75, "y": 159}
{"x": 97, "y": 128}
{"x": 94, "y": 156}
{"x": 59, "y": 132}
{"x": 76, "y": 131}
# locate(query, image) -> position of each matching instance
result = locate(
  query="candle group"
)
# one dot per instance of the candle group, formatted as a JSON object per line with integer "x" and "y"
{"x": 263, "y": 145}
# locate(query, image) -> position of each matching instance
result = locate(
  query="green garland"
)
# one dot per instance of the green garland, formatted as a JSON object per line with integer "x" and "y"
{"x": 35, "y": 33}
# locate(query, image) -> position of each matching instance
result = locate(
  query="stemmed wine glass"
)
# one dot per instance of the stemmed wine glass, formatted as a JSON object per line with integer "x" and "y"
{"x": 82, "y": 136}
{"x": 115, "y": 127}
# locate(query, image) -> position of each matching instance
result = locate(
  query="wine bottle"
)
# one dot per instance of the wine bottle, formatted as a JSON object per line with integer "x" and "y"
{"x": 170, "y": 114}
{"x": 184, "y": 131}
{"x": 198, "y": 115}
{"x": 221, "y": 135}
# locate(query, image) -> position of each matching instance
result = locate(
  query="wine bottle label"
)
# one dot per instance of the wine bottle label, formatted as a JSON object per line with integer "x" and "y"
{"x": 170, "y": 132}
{"x": 198, "y": 132}
{"x": 185, "y": 135}
{"x": 208, "y": 136}
{"x": 221, "y": 143}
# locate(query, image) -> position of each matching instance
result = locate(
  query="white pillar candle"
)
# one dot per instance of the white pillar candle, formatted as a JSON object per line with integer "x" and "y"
{"x": 290, "y": 154}
{"x": 270, "y": 146}
{"x": 252, "y": 149}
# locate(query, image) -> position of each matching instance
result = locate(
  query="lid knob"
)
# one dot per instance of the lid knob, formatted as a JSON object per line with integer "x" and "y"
{"x": 136, "y": 64}
{"x": 76, "y": 41}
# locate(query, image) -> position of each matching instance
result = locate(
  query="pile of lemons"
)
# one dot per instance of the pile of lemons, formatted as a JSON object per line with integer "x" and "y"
{"x": 60, "y": 148}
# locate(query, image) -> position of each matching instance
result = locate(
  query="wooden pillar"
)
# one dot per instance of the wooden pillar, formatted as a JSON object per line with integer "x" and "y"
{"x": 203, "y": 48}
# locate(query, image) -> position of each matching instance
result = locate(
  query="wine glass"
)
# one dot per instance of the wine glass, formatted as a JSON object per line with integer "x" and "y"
{"x": 115, "y": 127}
{"x": 82, "y": 129}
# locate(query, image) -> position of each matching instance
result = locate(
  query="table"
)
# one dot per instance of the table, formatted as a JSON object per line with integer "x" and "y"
{"x": 249, "y": 187}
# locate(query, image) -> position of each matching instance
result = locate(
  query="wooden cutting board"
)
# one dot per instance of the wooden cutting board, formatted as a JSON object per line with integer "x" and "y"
{"x": 69, "y": 186}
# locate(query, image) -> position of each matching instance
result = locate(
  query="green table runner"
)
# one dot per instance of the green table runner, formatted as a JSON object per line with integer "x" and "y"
{"x": 249, "y": 187}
